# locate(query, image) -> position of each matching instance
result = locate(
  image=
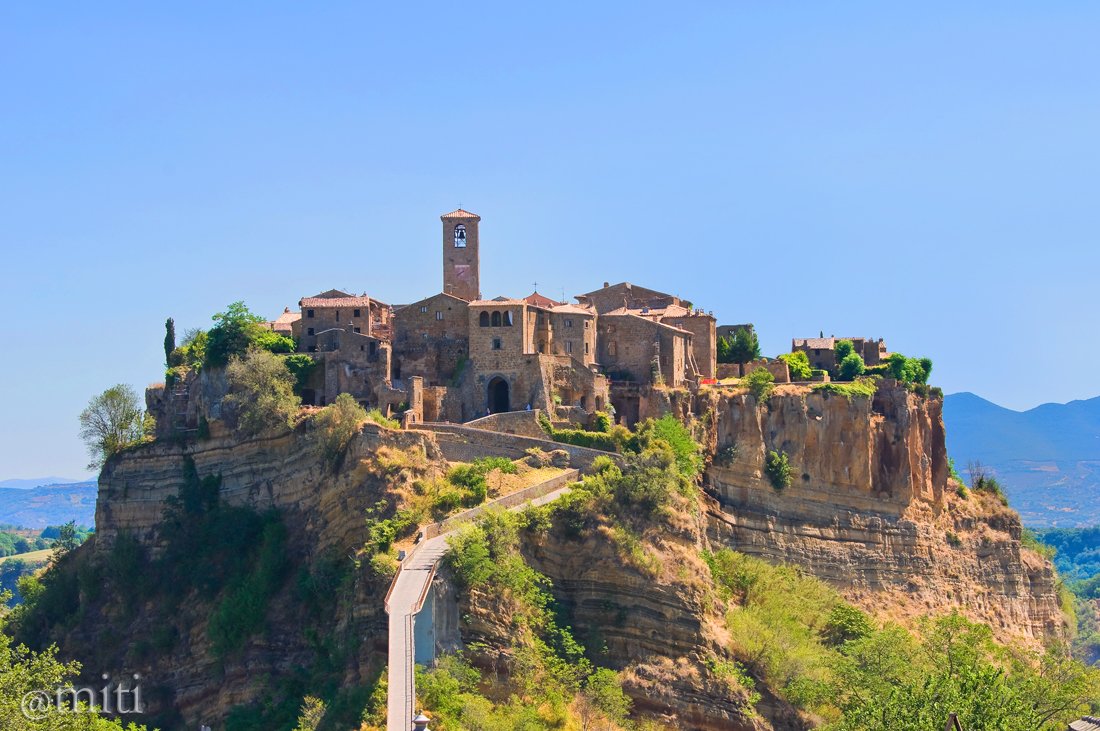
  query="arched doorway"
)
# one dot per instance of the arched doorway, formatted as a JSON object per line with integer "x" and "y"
{"x": 498, "y": 396}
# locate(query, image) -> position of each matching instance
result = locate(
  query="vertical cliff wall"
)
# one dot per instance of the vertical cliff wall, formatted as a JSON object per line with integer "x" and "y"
{"x": 870, "y": 509}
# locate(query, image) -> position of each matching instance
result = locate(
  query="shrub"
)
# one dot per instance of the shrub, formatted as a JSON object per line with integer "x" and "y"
{"x": 741, "y": 347}
{"x": 262, "y": 391}
{"x": 778, "y": 469}
{"x": 671, "y": 431}
{"x": 850, "y": 366}
{"x": 760, "y": 383}
{"x": 380, "y": 419}
{"x": 601, "y": 422}
{"x": 953, "y": 539}
{"x": 846, "y": 623}
{"x": 301, "y": 366}
{"x": 726, "y": 455}
{"x": 909, "y": 370}
{"x": 336, "y": 425}
{"x": 843, "y": 349}
{"x": 861, "y": 387}
{"x": 799, "y": 365}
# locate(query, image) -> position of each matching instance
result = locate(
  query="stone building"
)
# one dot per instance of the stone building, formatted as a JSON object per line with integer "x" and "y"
{"x": 470, "y": 356}
{"x": 821, "y": 351}
{"x": 341, "y": 311}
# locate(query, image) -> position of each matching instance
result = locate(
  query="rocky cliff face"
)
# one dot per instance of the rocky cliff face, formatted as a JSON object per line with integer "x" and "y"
{"x": 870, "y": 509}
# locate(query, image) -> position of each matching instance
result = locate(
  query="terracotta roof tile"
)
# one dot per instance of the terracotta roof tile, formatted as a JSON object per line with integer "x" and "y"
{"x": 540, "y": 300}
{"x": 321, "y": 302}
{"x": 460, "y": 213}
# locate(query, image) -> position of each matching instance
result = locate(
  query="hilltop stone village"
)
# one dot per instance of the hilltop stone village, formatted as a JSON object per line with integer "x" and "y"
{"x": 455, "y": 356}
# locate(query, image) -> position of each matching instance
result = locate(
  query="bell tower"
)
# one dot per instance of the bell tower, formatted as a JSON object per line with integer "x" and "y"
{"x": 461, "y": 273}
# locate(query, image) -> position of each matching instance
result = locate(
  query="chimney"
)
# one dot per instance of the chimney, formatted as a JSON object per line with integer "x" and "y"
{"x": 606, "y": 285}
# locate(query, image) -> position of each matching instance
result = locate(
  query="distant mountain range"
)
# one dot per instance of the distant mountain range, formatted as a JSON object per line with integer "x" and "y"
{"x": 1047, "y": 458}
{"x": 23, "y": 484}
{"x": 38, "y": 507}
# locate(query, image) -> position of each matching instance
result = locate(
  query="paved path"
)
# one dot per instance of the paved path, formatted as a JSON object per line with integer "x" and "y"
{"x": 405, "y": 599}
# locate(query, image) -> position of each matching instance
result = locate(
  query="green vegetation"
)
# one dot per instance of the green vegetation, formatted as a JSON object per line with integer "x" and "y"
{"x": 261, "y": 391}
{"x": 982, "y": 481}
{"x": 760, "y": 383}
{"x": 830, "y": 659}
{"x": 169, "y": 340}
{"x": 778, "y": 469}
{"x": 742, "y": 347}
{"x": 851, "y": 366}
{"x": 301, "y": 366}
{"x": 843, "y": 349}
{"x": 799, "y": 365}
{"x": 112, "y": 422}
{"x": 548, "y": 669}
{"x": 909, "y": 370}
{"x": 861, "y": 388}
{"x": 381, "y": 420}
{"x": 23, "y": 673}
{"x": 615, "y": 439}
{"x": 335, "y": 426}
{"x": 237, "y": 331}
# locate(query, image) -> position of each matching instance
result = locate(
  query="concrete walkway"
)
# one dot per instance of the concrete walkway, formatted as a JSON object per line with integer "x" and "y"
{"x": 405, "y": 598}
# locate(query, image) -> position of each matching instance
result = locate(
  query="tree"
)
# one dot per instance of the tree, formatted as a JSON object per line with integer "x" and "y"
{"x": 169, "y": 340}
{"x": 336, "y": 425}
{"x": 850, "y": 367}
{"x": 233, "y": 334}
{"x": 741, "y": 347}
{"x": 311, "y": 715}
{"x": 760, "y": 383}
{"x": 112, "y": 421}
{"x": 261, "y": 389}
{"x": 799, "y": 365}
{"x": 843, "y": 349}
{"x": 603, "y": 696}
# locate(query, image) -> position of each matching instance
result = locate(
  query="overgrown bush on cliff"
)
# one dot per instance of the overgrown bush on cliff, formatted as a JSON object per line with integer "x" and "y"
{"x": 909, "y": 370}
{"x": 335, "y": 426}
{"x": 777, "y": 467}
{"x": 261, "y": 391}
{"x": 827, "y": 657}
{"x": 798, "y": 363}
{"x": 301, "y": 366}
{"x": 760, "y": 383}
{"x": 861, "y": 387}
{"x": 548, "y": 668}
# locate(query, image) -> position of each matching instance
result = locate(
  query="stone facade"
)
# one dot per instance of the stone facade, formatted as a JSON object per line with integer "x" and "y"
{"x": 461, "y": 261}
{"x": 821, "y": 351}
{"x": 336, "y": 310}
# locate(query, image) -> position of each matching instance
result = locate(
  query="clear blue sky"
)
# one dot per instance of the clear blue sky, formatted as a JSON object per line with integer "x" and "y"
{"x": 927, "y": 174}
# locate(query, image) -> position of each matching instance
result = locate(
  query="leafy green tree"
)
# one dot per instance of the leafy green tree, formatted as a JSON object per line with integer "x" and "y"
{"x": 112, "y": 421}
{"x": 24, "y": 673}
{"x": 799, "y": 365}
{"x": 761, "y": 383}
{"x": 603, "y": 697}
{"x": 843, "y": 349}
{"x": 301, "y": 366}
{"x": 169, "y": 340}
{"x": 261, "y": 390}
{"x": 851, "y": 366}
{"x": 777, "y": 467}
{"x": 745, "y": 346}
{"x": 233, "y": 334}
{"x": 311, "y": 715}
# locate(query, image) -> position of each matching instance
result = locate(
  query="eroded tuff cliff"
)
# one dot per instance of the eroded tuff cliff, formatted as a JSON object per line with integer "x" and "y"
{"x": 871, "y": 510}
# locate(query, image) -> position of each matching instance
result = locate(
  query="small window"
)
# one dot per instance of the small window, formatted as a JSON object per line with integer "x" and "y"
{"x": 356, "y": 314}
{"x": 337, "y": 315}
{"x": 508, "y": 319}
{"x": 586, "y": 324}
{"x": 586, "y": 348}
{"x": 496, "y": 319}
{"x": 568, "y": 322}
{"x": 483, "y": 319}
{"x": 373, "y": 348}
{"x": 358, "y": 329}
{"x": 309, "y": 313}
{"x": 424, "y": 308}
{"x": 309, "y": 332}
{"x": 496, "y": 344}
{"x": 568, "y": 346}
{"x": 439, "y": 314}
{"x": 460, "y": 236}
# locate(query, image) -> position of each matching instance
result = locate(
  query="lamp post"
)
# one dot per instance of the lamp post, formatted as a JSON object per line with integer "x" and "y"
{"x": 420, "y": 723}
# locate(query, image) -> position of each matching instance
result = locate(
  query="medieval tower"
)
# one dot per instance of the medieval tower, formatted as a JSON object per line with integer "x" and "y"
{"x": 461, "y": 274}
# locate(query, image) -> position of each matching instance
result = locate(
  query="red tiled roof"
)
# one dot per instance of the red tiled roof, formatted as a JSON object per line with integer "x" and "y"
{"x": 815, "y": 343}
{"x": 574, "y": 309}
{"x": 459, "y": 213}
{"x": 540, "y": 300}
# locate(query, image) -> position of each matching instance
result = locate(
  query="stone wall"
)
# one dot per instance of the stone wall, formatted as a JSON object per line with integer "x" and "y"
{"x": 464, "y": 444}
{"x": 524, "y": 423}
{"x": 627, "y": 344}
{"x": 704, "y": 342}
